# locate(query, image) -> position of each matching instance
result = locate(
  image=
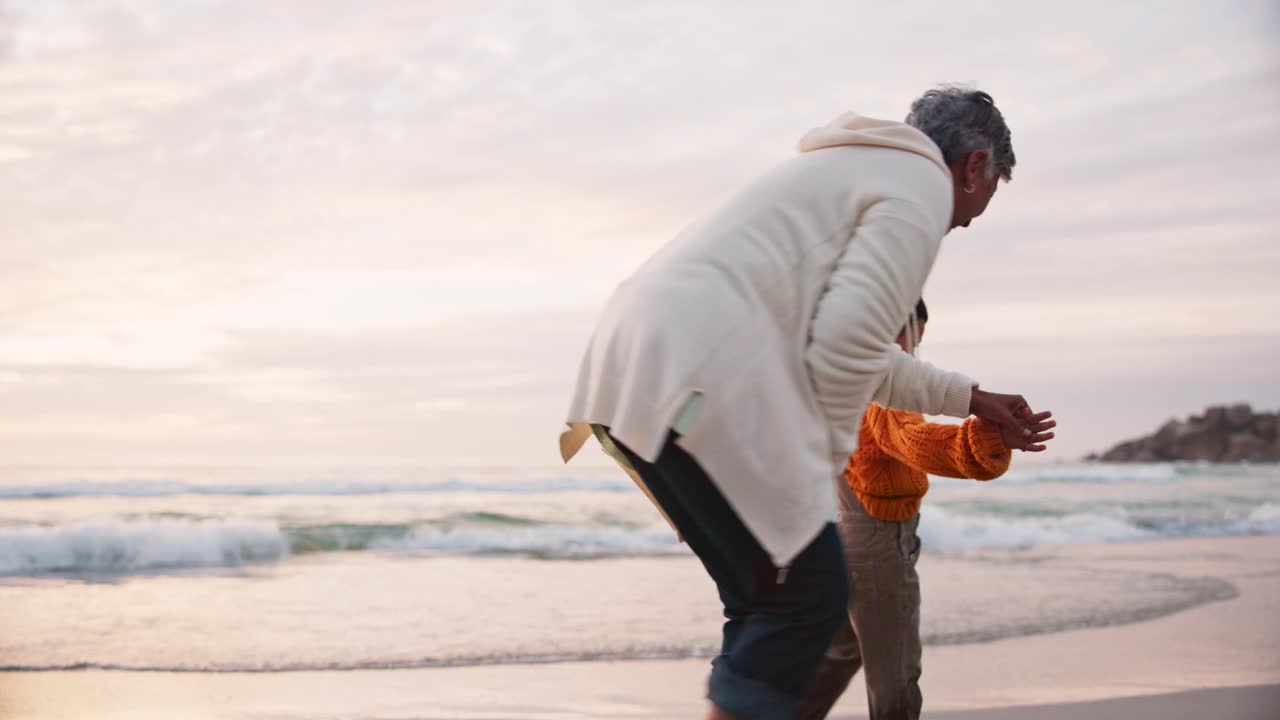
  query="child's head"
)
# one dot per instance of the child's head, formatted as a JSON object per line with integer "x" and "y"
{"x": 920, "y": 316}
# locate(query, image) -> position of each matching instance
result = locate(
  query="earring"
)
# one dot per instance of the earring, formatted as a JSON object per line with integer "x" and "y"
{"x": 968, "y": 188}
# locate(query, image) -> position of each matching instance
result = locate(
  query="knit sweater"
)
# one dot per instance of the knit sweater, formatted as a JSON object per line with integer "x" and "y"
{"x": 898, "y": 450}
{"x": 779, "y": 309}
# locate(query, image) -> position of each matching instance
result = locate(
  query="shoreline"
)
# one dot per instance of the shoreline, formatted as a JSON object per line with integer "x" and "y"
{"x": 1229, "y": 643}
{"x": 1245, "y": 702}
{"x": 1003, "y": 570}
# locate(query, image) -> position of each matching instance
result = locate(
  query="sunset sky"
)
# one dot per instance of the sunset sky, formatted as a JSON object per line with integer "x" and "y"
{"x": 379, "y": 232}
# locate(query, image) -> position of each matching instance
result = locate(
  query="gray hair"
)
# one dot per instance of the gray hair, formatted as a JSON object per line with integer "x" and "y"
{"x": 962, "y": 120}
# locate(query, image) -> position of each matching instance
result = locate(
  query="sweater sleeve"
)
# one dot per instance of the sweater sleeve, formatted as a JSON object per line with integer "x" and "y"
{"x": 973, "y": 449}
{"x": 871, "y": 291}
{"x": 918, "y": 386}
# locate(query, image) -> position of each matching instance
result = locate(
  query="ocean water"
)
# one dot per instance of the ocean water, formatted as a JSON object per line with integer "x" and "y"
{"x": 269, "y": 569}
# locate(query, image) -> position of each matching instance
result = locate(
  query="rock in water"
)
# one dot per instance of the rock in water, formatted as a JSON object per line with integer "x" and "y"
{"x": 1223, "y": 433}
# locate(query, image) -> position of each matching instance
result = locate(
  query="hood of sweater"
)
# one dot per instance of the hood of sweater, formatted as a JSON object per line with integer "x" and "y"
{"x": 854, "y": 129}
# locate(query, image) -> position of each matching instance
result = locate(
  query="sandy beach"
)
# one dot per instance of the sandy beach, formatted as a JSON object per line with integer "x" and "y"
{"x": 307, "y": 306}
{"x": 1219, "y": 660}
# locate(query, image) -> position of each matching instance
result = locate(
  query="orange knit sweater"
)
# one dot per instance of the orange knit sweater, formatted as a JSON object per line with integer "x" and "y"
{"x": 896, "y": 449}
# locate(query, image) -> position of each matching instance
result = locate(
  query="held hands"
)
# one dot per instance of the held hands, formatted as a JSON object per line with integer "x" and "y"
{"x": 1020, "y": 428}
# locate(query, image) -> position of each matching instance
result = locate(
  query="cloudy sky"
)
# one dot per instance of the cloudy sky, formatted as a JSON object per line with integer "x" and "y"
{"x": 378, "y": 232}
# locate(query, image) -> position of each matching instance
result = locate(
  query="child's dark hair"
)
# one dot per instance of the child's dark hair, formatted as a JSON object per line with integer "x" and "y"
{"x": 921, "y": 313}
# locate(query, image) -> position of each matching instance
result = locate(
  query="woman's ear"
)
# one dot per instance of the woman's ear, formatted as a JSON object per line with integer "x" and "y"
{"x": 975, "y": 168}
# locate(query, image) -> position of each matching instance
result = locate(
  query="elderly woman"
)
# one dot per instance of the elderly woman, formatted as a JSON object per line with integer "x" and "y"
{"x": 730, "y": 373}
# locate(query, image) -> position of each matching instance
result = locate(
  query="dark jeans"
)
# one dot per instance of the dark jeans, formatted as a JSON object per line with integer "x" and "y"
{"x": 778, "y": 623}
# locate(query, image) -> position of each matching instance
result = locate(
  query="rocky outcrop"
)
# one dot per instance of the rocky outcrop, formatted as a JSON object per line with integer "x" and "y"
{"x": 1227, "y": 433}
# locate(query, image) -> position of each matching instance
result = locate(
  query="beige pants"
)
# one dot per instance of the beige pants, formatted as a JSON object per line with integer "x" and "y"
{"x": 882, "y": 636}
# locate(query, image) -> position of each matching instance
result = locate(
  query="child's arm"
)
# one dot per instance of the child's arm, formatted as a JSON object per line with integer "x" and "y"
{"x": 973, "y": 449}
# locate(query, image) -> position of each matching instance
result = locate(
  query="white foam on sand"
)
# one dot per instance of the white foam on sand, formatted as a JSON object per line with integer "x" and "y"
{"x": 118, "y": 545}
{"x": 942, "y": 530}
{"x": 124, "y": 544}
{"x": 549, "y": 541}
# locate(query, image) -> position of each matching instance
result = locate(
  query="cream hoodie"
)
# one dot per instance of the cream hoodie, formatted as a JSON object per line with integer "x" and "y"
{"x": 780, "y": 309}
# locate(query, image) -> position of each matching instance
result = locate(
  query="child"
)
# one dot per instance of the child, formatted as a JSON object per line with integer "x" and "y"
{"x": 884, "y": 481}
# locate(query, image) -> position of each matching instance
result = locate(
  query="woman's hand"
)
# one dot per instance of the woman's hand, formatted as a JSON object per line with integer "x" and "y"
{"x": 1020, "y": 428}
